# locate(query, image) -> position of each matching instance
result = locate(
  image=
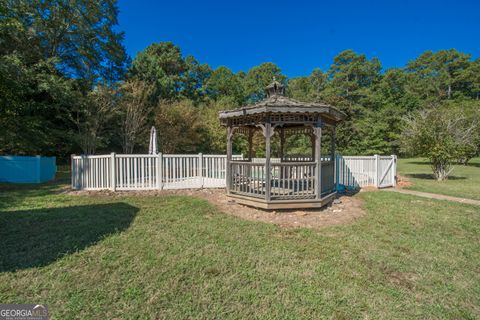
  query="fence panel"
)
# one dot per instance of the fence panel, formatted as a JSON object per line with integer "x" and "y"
{"x": 181, "y": 172}
{"x": 91, "y": 173}
{"x": 328, "y": 176}
{"x": 176, "y": 171}
{"x": 386, "y": 171}
{"x": 353, "y": 172}
{"x": 135, "y": 172}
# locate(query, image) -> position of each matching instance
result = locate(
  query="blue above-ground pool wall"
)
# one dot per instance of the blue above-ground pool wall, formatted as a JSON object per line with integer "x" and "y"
{"x": 22, "y": 169}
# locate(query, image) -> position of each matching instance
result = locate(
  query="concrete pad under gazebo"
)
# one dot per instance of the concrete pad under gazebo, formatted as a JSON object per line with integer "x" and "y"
{"x": 294, "y": 182}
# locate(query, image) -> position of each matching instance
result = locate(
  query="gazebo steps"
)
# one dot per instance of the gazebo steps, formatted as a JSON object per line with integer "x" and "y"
{"x": 283, "y": 204}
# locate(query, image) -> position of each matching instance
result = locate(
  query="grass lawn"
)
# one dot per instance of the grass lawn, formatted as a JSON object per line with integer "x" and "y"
{"x": 173, "y": 257}
{"x": 464, "y": 181}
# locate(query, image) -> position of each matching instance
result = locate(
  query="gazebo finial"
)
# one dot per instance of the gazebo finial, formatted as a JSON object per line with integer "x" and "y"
{"x": 275, "y": 89}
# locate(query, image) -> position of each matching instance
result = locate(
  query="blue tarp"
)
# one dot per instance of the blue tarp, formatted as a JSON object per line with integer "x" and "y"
{"x": 22, "y": 169}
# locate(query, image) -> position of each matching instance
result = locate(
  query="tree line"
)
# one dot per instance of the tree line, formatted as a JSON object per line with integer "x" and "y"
{"x": 68, "y": 86}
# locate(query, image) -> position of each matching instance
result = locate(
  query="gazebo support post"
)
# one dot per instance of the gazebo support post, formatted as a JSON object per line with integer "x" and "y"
{"x": 312, "y": 140}
{"x": 282, "y": 152}
{"x": 282, "y": 144}
{"x": 268, "y": 176}
{"x": 333, "y": 158}
{"x": 250, "y": 144}
{"x": 228, "y": 175}
{"x": 317, "y": 132}
{"x": 250, "y": 151}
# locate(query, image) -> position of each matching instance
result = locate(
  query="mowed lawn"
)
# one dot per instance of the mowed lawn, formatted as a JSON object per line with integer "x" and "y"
{"x": 175, "y": 257}
{"x": 464, "y": 181}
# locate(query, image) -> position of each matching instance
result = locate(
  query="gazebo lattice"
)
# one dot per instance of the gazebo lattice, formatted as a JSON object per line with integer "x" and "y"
{"x": 294, "y": 182}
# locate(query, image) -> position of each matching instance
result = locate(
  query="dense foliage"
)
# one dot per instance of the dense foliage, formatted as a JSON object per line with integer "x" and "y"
{"x": 52, "y": 55}
{"x": 443, "y": 135}
{"x": 67, "y": 86}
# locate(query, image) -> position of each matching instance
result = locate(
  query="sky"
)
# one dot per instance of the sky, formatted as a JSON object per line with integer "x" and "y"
{"x": 300, "y": 35}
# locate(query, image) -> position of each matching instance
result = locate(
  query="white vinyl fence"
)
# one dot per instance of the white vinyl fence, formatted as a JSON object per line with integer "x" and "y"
{"x": 148, "y": 172}
{"x": 182, "y": 171}
{"x": 353, "y": 172}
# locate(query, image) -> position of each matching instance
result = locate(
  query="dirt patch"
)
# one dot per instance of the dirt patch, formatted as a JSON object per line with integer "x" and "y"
{"x": 345, "y": 208}
{"x": 403, "y": 279}
{"x": 403, "y": 182}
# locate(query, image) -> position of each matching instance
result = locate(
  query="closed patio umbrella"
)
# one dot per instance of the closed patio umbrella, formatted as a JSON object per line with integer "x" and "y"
{"x": 152, "y": 148}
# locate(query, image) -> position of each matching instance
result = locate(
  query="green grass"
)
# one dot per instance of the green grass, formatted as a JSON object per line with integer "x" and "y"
{"x": 174, "y": 257}
{"x": 464, "y": 181}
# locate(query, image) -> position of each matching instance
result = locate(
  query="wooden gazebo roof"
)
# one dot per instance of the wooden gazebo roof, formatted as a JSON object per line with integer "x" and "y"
{"x": 278, "y": 104}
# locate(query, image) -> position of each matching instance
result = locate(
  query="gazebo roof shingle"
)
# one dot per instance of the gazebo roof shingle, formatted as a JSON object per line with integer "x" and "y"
{"x": 277, "y": 103}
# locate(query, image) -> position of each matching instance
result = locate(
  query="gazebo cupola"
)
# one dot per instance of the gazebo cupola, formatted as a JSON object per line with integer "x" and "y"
{"x": 275, "y": 88}
{"x": 289, "y": 181}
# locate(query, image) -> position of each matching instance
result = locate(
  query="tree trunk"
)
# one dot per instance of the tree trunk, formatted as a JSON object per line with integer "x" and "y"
{"x": 441, "y": 170}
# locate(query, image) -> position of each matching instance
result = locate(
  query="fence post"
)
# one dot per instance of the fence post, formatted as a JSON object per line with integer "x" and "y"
{"x": 72, "y": 173}
{"x": 159, "y": 165}
{"x": 200, "y": 166}
{"x": 377, "y": 171}
{"x": 113, "y": 182}
{"x": 337, "y": 172}
{"x": 81, "y": 169}
{"x": 394, "y": 170}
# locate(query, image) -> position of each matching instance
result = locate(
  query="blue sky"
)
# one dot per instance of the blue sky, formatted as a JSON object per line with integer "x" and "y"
{"x": 301, "y": 35}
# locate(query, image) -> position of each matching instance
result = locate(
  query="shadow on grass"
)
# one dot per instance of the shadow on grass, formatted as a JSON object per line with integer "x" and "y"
{"x": 427, "y": 176}
{"x": 425, "y": 163}
{"x": 36, "y": 238}
{"x": 12, "y": 194}
{"x": 473, "y": 164}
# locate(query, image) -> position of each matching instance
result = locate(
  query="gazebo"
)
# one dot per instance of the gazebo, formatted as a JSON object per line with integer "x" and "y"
{"x": 290, "y": 180}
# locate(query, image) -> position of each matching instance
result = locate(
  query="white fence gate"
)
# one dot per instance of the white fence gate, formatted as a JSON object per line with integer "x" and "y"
{"x": 353, "y": 172}
{"x": 180, "y": 171}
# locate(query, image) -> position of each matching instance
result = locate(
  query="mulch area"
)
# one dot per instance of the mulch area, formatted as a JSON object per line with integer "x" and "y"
{"x": 345, "y": 209}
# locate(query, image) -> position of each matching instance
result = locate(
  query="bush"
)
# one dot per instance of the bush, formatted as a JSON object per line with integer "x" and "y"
{"x": 442, "y": 135}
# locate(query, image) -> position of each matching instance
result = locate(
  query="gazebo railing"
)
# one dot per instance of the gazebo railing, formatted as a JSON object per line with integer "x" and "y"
{"x": 289, "y": 180}
{"x": 248, "y": 178}
{"x": 293, "y": 180}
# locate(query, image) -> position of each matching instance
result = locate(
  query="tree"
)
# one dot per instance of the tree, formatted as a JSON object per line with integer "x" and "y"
{"x": 52, "y": 53}
{"x": 135, "y": 108}
{"x": 178, "y": 127}
{"x": 471, "y": 110}
{"x": 439, "y": 75}
{"x": 440, "y": 134}
{"x": 172, "y": 76}
{"x": 471, "y": 80}
{"x": 79, "y": 34}
{"x": 161, "y": 65}
{"x": 194, "y": 79}
{"x": 257, "y": 78}
{"x": 351, "y": 73}
{"x": 98, "y": 110}
{"x": 308, "y": 88}
{"x": 223, "y": 83}
{"x": 35, "y": 107}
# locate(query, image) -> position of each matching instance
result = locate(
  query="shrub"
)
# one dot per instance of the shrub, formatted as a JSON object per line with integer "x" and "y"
{"x": 440, "y": 134}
